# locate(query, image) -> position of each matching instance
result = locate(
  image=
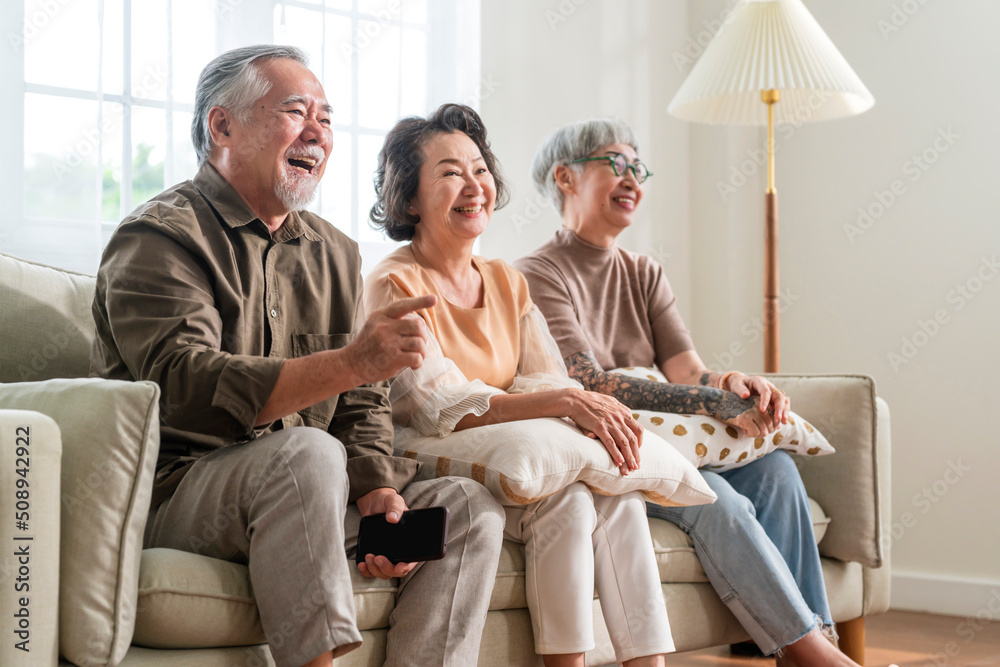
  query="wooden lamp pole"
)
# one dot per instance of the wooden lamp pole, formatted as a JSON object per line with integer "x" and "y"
{"x": 772, "y": 329}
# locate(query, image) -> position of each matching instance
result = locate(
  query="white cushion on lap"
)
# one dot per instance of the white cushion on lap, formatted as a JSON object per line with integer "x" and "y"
{"x": 524, "y": 461}
{"x": 709, "y": 443}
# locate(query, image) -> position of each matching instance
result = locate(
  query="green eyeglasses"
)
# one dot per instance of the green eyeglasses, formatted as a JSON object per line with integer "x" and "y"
{"x": 620, "y": 165}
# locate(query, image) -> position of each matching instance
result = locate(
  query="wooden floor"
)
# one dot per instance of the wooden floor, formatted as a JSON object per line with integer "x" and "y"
{"x": 904, "y": 638}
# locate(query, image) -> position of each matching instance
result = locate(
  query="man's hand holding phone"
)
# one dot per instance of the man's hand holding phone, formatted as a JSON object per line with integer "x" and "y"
{"x": 393, "y": 539}
{"x": 383, "y": 501}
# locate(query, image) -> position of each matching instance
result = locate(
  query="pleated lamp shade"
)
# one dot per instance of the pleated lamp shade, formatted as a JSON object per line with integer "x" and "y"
{"x": 764, "y": 45}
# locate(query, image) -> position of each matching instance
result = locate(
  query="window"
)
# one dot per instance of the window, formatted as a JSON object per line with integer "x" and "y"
{"x": 108, "y": 92}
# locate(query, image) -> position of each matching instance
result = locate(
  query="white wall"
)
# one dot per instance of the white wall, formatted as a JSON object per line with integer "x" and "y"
{"x": 552, "y": 62}
{"x": 854, "y": 293}
{"x": 857, "y": 289}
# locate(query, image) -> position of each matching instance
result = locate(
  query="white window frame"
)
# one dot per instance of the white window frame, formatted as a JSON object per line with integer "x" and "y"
{"x": 453, "y": 76}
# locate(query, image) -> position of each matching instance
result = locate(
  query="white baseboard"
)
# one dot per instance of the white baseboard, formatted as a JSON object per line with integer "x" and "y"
{"x": 951, "y": 596}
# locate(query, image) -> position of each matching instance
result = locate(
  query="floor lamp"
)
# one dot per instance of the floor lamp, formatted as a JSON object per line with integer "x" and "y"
{"x": 770, "y": 63}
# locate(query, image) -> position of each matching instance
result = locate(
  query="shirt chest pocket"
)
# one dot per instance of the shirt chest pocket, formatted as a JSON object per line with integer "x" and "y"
{"x": 319, "y": 415}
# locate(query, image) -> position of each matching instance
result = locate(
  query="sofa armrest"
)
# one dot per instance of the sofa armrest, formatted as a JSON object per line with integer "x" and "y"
{"x": 878, "y": 582}
{"x": 110, "y": 440}
{"x": 852, "y": 485}
{"x": 30, "y": 452}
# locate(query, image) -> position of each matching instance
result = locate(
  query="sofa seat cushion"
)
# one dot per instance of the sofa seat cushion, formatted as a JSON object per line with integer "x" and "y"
{"x": 675, "y": 558}
{"x": 187, "y": 600}
{"x": 819, "y": 519}
{"x": 675, "y": 555}
{"x": 508, "y": 589}
{"x": 192, "y": 601}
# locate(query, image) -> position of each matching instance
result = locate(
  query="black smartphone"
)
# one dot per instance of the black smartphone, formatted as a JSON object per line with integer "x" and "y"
{"x": 419, "y": 535}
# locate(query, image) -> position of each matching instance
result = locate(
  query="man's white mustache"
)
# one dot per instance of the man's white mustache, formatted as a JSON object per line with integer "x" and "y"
{"x": 313, "y": 152}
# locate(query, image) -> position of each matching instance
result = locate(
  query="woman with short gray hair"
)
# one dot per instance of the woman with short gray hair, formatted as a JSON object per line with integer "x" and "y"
{"x": 609, "y": 308}
{"x": 572, "y": 142}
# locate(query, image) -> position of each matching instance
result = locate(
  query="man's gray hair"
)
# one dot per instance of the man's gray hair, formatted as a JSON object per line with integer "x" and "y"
{"x": 233, "y": 81}
{"x": 572, "y": 143}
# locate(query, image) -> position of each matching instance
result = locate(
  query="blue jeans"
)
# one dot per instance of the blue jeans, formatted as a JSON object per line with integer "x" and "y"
{"x": 757, "y": 547}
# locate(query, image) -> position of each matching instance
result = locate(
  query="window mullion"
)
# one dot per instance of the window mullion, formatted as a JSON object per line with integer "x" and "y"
{"x": 169, "y": 175}
{"x": 12, "y": 148}
{"x": 322, "y": 75}
{"x": 355, "y": 123}
{"x": 252, "y": 22}
{"x": 99, "y": 213}
{"x": 399, "y": 74}
{"x": 126, "y": 184}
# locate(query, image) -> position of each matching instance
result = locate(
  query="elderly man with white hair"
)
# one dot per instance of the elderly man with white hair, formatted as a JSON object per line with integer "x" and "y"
{"x": 274, "y": 411}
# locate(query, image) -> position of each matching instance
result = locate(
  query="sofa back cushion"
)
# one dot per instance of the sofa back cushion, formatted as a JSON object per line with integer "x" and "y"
{"x": 46, "y": 328}
{"x": 849, "y": 484}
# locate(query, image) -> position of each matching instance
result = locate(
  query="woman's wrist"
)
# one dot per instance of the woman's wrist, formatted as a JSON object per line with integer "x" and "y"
{"x": 567, "y": 400}
{"x": 725, "y": 378}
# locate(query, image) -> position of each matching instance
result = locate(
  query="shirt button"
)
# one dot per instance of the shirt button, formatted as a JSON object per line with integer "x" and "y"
{"x": 274, "y": 313}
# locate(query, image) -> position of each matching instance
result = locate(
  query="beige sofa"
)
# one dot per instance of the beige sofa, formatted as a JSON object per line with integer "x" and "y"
{"x": 97, "y": 598}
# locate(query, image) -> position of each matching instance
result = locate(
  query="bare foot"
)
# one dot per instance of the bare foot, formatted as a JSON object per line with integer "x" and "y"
{"x": 324, "y": 660}
{"x": 813, "y": 650}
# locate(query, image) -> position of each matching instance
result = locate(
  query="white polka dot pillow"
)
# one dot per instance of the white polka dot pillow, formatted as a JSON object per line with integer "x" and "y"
{"x": 714, "y": 445}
